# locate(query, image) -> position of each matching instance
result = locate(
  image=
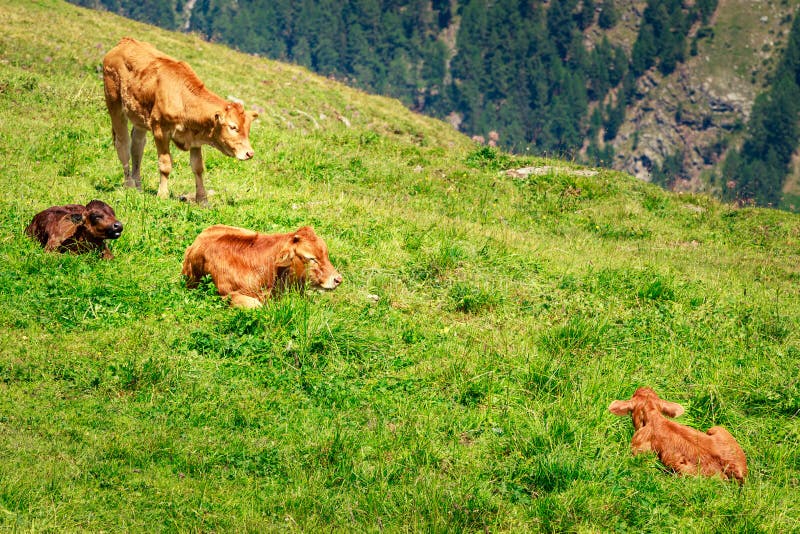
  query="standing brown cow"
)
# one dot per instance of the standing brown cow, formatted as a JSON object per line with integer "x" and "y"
{"x": 246, "y": 266}
{"x": 158, "y": 93}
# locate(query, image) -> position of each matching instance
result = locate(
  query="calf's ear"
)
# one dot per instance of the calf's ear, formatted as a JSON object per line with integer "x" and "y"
{"x": 619, "y": 407}
{"x": 286, "y": 255}
{"x": 304, "y": 232}
{"x": 671, "y": 409}
{"x": 68, "y": 225}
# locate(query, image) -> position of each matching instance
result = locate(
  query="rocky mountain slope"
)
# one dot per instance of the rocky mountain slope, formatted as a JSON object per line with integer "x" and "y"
{"x": 699, "y": 110}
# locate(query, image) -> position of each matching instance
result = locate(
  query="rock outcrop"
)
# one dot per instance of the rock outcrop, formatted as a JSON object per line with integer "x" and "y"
{"x": 700, "y": 110}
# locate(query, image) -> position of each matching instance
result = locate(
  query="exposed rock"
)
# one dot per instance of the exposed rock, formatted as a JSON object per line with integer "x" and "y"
{"x": 679, "y": 114}
{"x": 700, "y": 108}
{"x": 548, "y": 169}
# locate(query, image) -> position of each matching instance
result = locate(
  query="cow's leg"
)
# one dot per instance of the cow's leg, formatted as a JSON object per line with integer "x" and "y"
{"x": 689, "y": 468}
{"x": 196, "y": 160}
{"x": 106, "y": 254}
{"x": 731, "y": 455}
{"x": 228, "y": 289}
{"x": 641, "y": 441}
{"x": 138, "y": 138}
{"x": 243, "y": 301}
{"x": 53, "y": 243}
{"x": 164, "y": 161}
{"x": 122, "y": 141}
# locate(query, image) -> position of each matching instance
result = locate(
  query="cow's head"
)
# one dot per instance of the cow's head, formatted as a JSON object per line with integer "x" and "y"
{"x": 645, "y": 401}
{"x": 307, "y": 255}
{"x": 231, "y": 134}
{"x": 100, "y": 221}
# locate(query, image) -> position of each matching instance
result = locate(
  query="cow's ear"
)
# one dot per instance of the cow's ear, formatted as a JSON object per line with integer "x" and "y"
{"x": 305, "y": 232}
{"x": 286, "y": 255}
{"x": 619, "y": 407}
{"x": 219, "y": 116}
{"x": 68, "y": 225}
{"x": 670, "y": 409}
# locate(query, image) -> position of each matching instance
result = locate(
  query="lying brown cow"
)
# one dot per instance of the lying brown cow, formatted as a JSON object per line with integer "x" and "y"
{"x": 158, "y": 93}
{"x": 246, "y": 266}
{"x": 680, "y": 448}
{"x": 76, "y": 228}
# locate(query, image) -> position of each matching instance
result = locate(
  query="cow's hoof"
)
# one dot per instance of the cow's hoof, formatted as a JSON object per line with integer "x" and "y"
{"x": 192, "y": 197}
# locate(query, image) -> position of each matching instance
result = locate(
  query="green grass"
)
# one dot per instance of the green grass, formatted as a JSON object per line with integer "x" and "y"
{"x": 459, "y": 378}
{"x": 740, "y": 54}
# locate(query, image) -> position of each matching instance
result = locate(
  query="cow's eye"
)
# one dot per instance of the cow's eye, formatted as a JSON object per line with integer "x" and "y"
{"x": 233, "y": 127}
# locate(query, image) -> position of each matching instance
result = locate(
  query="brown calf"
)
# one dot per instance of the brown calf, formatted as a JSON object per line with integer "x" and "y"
{"x": 160, "y": 94}
{"x": 246, "y": 265}
{"x": 680, "y": 448}
{"x": 76, "y": 228}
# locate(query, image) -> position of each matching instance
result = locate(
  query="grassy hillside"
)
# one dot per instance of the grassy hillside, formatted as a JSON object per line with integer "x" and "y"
{"x": 458, "y": 380}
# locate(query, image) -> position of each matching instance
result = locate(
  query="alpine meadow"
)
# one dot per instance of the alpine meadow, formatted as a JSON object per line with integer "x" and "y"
{"x": 458, "y": 380}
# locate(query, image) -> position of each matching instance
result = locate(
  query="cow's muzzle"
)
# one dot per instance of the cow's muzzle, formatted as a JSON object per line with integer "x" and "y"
{"x": 114, "y": 231}
{"x": 245, "y": 155}
{"x": 332, "y": 282}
